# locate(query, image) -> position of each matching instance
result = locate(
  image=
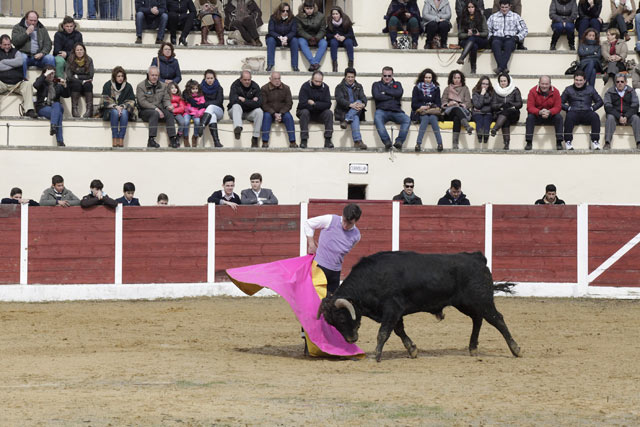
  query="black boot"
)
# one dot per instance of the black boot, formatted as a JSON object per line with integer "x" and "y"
{"x": 473, "y": 60}
{"x": 328, "y": 143}
{"x": 572, "y": 42}
{"x": 554, "y": 40}
{"x": 204, "y": 122}
{"x": 506, "y": 139}
{"x": 465, "y": 52}
{"x": 151, "y": 142}
{"x": 213, "y": 128}
{"x": 334, "y": 66}
{"x": 350, "y": 64}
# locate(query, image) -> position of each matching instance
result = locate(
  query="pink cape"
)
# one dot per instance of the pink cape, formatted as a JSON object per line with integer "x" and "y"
{"x": 291, "y": 279}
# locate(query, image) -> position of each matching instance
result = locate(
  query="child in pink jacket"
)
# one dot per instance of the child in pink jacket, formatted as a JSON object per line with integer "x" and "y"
{"x": 194, "y": 110}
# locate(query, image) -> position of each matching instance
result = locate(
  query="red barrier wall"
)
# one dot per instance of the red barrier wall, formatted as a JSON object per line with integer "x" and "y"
{"x": 9, "y": 244}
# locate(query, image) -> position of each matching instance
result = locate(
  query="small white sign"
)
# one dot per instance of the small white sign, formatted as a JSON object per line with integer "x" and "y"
{"x": 361, "y": 168}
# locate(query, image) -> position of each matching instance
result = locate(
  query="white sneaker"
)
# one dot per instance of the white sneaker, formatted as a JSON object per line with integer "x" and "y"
{"x": 568, "y": 145}
{"x": 595, "y": 145}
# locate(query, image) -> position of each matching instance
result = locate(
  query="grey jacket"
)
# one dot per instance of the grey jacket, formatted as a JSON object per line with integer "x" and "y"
{"x": 481, "y": 103}
{"x": 152, "y": 97}
{"x": 563, "y": 11}
{"x": 49, "y": 197}
{"x": 248, "y": 197}
{"x": 431, "y": 13}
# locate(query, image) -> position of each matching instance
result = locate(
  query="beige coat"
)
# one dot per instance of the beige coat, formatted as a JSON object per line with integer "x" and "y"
{"x": 628, "y": 14}
{"x": 621, "y": 50}
{"x": 206, "y": 9}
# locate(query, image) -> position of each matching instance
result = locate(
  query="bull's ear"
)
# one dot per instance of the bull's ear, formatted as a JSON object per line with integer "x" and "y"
{"x": 320, "y": 309}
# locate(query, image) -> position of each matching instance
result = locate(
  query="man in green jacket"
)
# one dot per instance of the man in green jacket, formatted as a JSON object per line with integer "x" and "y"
{"x": 32, "y": 39}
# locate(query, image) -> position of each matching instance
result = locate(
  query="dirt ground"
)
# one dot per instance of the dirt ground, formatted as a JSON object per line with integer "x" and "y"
{"x": 239, "y": 361}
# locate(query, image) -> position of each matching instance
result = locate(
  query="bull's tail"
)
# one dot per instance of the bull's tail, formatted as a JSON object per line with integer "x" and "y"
{"x": 503, "y": 287}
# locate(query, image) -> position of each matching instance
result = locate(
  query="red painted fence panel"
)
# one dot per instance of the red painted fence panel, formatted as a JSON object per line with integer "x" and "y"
{"x": 9, "y": 244}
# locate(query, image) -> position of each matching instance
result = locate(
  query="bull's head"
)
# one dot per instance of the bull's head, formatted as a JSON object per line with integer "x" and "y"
{"x": 341, "y": 314}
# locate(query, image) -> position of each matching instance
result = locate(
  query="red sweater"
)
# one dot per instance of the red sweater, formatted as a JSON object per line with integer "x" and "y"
{"x": 536, "y": 101}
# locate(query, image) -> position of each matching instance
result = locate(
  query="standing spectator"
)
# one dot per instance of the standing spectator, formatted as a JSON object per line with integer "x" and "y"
{"x": 31, "y": 38}
{"x": 436, "y": 18}
{"x": 312, "y": 29}
{"x": 167, "y": 63}
{"x": 621, "y": 106}
{"x": 623, "y": 13}
{"x": 407, "y": 196}
{"x": 194, "y": 110}
{"x": 276, "y": 104}
{"x": 15, "y": 198}
{"x": 473, "y": 34}
{"x": 256, "y": 195}
{"x": 64, "y": 40}
{"x": 109, "y": 9}
{"x": 151, "y": 14}
{"x": 213, "y": 99}
{"x": 48, "y": 94}
{"x": 505, "y": 29}
{"x": 454, "y": 195}
{"x": 543, "y": 108}
{"x": 350, "y": 105}
{"x": 589, "y": 55}
{"x": 581, "y": 101}
{"x": 181, "y": 14}
{"x": 614, "y": 54}
{"x": 11, "y": 77}
{"x": 210, "y": 15}
{"x": 245, "y": 102}
{"x": 282, "y": 32}
{"x": 79, "y": 71}
{"x": 387, "y": 93}
{"x": 118, "y": 104}
{"x": 506, "y": 103}
{"x": 154, "y": 104}
{"x": 456, "y": 102}
{"x": 58, "y": 194}
{"x": 179, "y": 112}
{"x": 424, "y": 99}
{"x": 589, "y": 16}
{"x": 246, "y": 17}
{"x": 162, "y": 200}
{"x": 481, "y": 97}
{"x": 97, "y": 196}
{"x": 461, "y": 6}
{"x": 314, "y": 104}
{"x": 340, "y": 34}
{"x": 563, "y": 15}
{"x": 550, "y": 197}
{"x": 127, "y": 199}
{"x": 78, "y": 9}
{"x": 403, "y": 15}
{"x": 226, "y": 196}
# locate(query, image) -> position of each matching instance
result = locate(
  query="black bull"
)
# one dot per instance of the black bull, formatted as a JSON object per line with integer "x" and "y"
{"x": 389, "y": 285}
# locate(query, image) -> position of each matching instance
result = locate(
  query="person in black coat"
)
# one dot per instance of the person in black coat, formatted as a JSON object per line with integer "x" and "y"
{"x": 226, "y": 196}
{"x": 282, "y": 32}
{"x": 245, "y": 100}
{"x": 314, "y": 103}
{"x": 49, "y": 90}
{"x": 16, "y": 199}
{"x": 350, "y": 105}
{"x": 127, "y": 199}
{"x": 550, "y": 197}
{"x": 454, "y": 195}
{"x": 97, "y": 197}
{"x": 168, "y": 65}
{"x": 340, "y": 34}
{"x": 63, "y": 42}
{"x": 181, "y": 15}
{"x": 403, "y": 14}
{"x": 407, "y": 196}
{"x": 151, "y": 14}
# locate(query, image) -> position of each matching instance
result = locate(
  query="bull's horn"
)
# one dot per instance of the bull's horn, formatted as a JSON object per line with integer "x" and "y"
{"x": 343, "y": 303}
{"x": 319, "y": 310}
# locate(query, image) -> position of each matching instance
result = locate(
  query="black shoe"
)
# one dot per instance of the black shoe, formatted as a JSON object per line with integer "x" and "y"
{"x": 521, "y": 46}
{"x": 295, "y": 69}
{"x": 343, "y": 124}
{"x": 398, "y": 145}
{"x": 254, "y": 142}
{"x": 173, "y": 40}
{"x": 638, "y": 145}
{"x": 607, "y": 146}
{"x": 605, "y": 78}
{"x": 151, "y": 142}
{"x": 269, "y": 67}
{"x": 31, "y": 113}
{"x": 440, "y": 147}
{"x": 529, "y": 146}
{"x": 493, "y": 132}
{"x": 237, "y": 132}
{"x": 158, "y": 41}
{"x": 418, "y": 148}
{"x": 53, "y": 129}
{"x": 303, "y": 143}
{"x": 173, "y": 142}
{"x": 387, "y": 146}
{"x": 217, "y": 144}
{"x": 328, "y": 143}
{"x": 61, "y": 144}
{"x": 552, "y": 47}
{"x": 138, "y": 40}
{"x": 506, "y": 146}
{"x": 559, "y": 145}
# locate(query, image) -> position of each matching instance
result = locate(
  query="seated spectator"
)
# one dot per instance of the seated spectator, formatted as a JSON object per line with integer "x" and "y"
{"x": 163, "y": 200}
{"x": 472, "y": 34}
{"x": 213, "y": 99}
{"x": 621, "y": 106}
{"x": 505, "y": 28}
{"x": 614, "y": 55}
{"x": 506, "y": 104}
{"x": 387, "y": 93}
{"x": 350, "y": 105}
{"x": 180, "y": 15}
{"x": 246, "y": 17}
{"x": 516, "y": 7}
{"x": 456, "y": 103}
{"x": 340, "y": 34}
{"x": 436, "y": 18}
{"x": 282, "y": 32}
{"x": 403, "y": 15}
{"x": 64, "y": 40}
{"x": 118, "y": 104}
{"x": 154, "y": 104}
{"x": 314, "y": 104}
{"x": 226, "y": 196}
{"x": 97, "y": 196}
{"x": 589, "y": 16}
{"x": 563, "y": 15}
{"x": 245, "y": 103}
{"x": 169, "y": 66}
{"x": 31, "y": 38}
{"x": 151, "y": 14}
{"x": 543, "y": 107}
{"x": 15, "y": 198}
{"x": 481, "y": 97}
{"x": 194, "y": 110}
{"x": 108, "y": 9}
{"x": 623, "y": 13}
{"x": 179, "y": 109}
{"x": 426, "y": 105}
{"x": 127, "y": 198}
{"x": 454, "y": 195}
{"x": 49, "y": 90}
{"x": 276, "y": 104}
{"x": 58, "y": 194}
{"x": 79, "y": 72}
{"x": 11, "y": 77}
{"x": 407, "y": 196}
{"x": 78, "y": 9}
{"x": 589, "y": 55}
{"x": 311, "y": 33}
{"x": 210, "y": 15}
{"x": 635, "y": 77}
{"x": 550, "y": 197}
{"x": 256, "y": 195}
{"x": 581, "y": 101}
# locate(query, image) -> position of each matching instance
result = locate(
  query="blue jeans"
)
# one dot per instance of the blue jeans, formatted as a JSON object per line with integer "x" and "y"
{"x": 425, "y": 121}
{"x": 306, "y": 51}
{"x": 287, "y": 119}
{"x": 583, "y": 23}
{"x": 28, "y": 61}
{"x": 483, "y": 123}
{"x": 196, "y": 125}
{"x": 348, "y": 46}
{"x": 118, "y": 123}
{"x": 108, "y": 9}
{"x": 183, "y": 125}
{"x": 502, "y": 48}
{"x": 381, "y": 117}
{"x": 637, "y": 20}
{"x": 589, "y": 68}
{"x": 151, "y": 22}
{"x": 569, "y": 29}
{"x": 353, "y": 117}
{"x": 54, "y": 114}
{"x": 272, "y": 43}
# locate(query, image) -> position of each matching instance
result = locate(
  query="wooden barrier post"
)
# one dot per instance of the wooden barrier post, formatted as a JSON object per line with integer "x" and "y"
{"x": 24, "y": 243}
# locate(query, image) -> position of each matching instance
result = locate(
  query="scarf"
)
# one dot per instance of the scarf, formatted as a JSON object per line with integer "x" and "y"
{"x": 627, "y": 5}
{"x": 407, "y": 198}
{"x": 116, "y": 91}
{"x": 612, "y": 49}
{"x": 336, "y": 23}
{"x": 426, "y": 88}
{"x": 80, "y": 61}
{"x": 212, "y": 90}
{"x": 504, "y": 91}
{"x": 455, "y": 93}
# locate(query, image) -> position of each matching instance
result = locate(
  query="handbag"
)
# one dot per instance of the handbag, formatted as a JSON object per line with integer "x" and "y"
{"x": 254, "y": 63}
{"x": 434, "y": 111}
{"x": 572, "y": 68}
{"x": 404, "y": 41}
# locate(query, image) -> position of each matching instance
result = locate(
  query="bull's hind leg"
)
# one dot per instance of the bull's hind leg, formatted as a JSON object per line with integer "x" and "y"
{"x": 494, "y": 317}
{"x": 475, "y": 332}
{"x": 409, "y": 345}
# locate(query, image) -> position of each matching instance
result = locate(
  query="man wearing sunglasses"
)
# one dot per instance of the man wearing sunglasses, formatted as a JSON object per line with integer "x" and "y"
{"x": 621, "y": 106}
{"x": 388, "y": 96}
{"x": 407, "y": 196}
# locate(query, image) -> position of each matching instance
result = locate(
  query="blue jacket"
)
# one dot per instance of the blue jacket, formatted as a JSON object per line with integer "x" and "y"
{"x": 319, "y": 94}
{"x": 125, "y": 202}
{"x": 419, "y": 99}
{"x": 282, "y": 28}
{"x": 388, "y": 97}
{"x": 169, "y": 69}
{"x": 584, "y": 99}
{"x": 145, "y": 6}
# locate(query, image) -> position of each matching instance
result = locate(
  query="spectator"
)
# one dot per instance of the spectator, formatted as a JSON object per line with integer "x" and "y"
{"x": 210, "y": 15}
{"x": 506, "y": 103}
{"x": 58, "y": 194}
{"x": 213, "y": 99}
{"x": 246, "y": 17}
{"x": 516, "y": 7}
{"x": 543, "y": 108}
{"x": 635, "y": 77}
{"x": 127, "y": 198}
{"x": 256, "y": 195}
{"x": 403, "y": 15}
{"x": 589, "y": 16}
{"x": 589, "y": 55}
{"x": 314, "y": 104}
{"x": 79, "y": 72}
{"x": 277, "y": 103}
{"x": 118, "y": 104}
{"x": 64, "y": 40}
{"x": 505, "y": 28}
{"x": 97, "y": 196}
{"x": 563, "y": 15}
{"x": 151, "y": 14}
{"x": 436, "y": 18}
{"x": 387, "y": 93}
{"x": 623, "y": 13}
{"x": 49, "y": 90}
{"x": 154, "y": 104}
{"x": 226, "y": 196}
{"x": 454, "y": 195}
{"x": 31, "y": 38}
{"x": 15, "y": 198}
{"x": 11, "y": 75}
{"x": 462, "y": 5}
{"x": 614, "y": 54}
{"x": 407, "y": 196}
{"x": 340, "y": 34}
{"x": 78, "y": 9}
{"x": 472, "y": 34}
{"x": 194, "y": 110}
{"x": 163, "y": 200}
{"x": 181, "y": 14}
{"x": 621, "y": 106}
{"x": 311, "y": 33}
{"x": 282, "y": 32}
{"x": 456, "y": 102}
{"x": 581, "y": 101}
{"x": 167, "y": 63}
{"x": 108, "y": 9}
{"x": 245, "y": 103}
{"x": 481, "y": 97}
{"x": 425, "y": 105}
{"x": 350, "y": 105}
{"x": 550, "y": 197}
{"x": 179, "y": 109}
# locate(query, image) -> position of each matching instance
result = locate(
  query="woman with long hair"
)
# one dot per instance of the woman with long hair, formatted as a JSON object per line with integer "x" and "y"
{"x": 589, "y": 55}
{"x": 118, "y": 103}
{"x": 589, "y": 16}
{"x": 506, "y": 103}
{"x": 340, "y": 34}
{"x": 424, "y": 100}
{"x": 79, "y": 72}
{"x": 472, "y": 34}
{"x": 456, "y": 102}
{"x": 282, "y": 32}
{"x": 481, "y": 97}
{"x": 213, "y": 99}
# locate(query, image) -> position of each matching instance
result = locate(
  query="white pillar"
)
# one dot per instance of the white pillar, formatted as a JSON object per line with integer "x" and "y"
{"x": 488, "y": 234}
{"x": 304, "y": 215}
{"x": 211, "y": 243}
{"x": 24, "y": 243}
{"x": 583, "y": 249}
{"x": 395, "y": 226}
{"x": 117, "y": 276}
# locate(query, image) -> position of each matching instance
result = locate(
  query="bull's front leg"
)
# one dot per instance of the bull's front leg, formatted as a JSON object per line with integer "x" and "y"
{"x": 383, "y": 335}
{"x": 409, "y": 345}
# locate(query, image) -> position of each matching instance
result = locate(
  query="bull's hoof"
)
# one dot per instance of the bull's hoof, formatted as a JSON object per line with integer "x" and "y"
{"x": 413, "y": 352}
{"x": 473, "y": 352}
{"x": 515, "y": 350}
{"x": 378, "y": 357}
{"x": 439, "y": 316}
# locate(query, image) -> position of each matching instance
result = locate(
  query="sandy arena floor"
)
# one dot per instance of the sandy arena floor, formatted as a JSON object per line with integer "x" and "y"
{"x": 237, "y": 361}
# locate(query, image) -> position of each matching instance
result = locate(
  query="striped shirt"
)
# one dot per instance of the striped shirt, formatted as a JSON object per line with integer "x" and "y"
{"x": 511, "y": 24}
